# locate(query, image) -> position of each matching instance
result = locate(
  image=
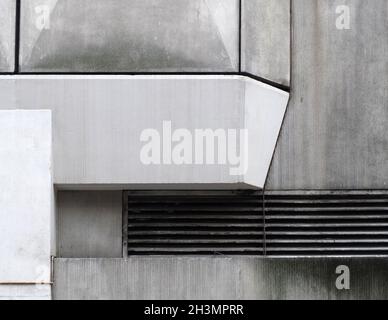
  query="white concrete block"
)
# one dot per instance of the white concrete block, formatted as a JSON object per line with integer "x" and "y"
{"x": 98, "y": 122}
{"x": 26, "y": 194}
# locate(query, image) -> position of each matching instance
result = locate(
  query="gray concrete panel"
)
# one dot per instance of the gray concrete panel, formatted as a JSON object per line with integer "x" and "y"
{"x": 89, "y": 224}
{"x": 7, "y": 35}
{"x": 335, "y": 133}
{"x": 129, "y": 36}
{"x": 265, "y": 39}
{"x": 226, "y": 278}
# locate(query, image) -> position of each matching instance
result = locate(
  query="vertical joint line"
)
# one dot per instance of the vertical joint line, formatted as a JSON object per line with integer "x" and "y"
{"x": 264, "y": 227}
{"x": 124, "y": 232}
{"x": 17, "y": 36}
{"x": 52, "y": 272}
{"x": 239, "y": 35}
{"x": 291, "y": 43}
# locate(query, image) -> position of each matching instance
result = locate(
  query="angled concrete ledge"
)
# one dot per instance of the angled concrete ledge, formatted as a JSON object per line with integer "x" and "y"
{"x": 99, "y": 121}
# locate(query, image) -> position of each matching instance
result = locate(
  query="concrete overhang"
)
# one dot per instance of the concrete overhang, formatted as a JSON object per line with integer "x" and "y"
{"x": 100, "y": 120}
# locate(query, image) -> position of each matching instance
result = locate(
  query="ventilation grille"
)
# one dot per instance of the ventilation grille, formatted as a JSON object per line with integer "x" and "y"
{"x": 326, "y": 224}
{"x": 194, "y": 223}
{"x": 228, "y": 223}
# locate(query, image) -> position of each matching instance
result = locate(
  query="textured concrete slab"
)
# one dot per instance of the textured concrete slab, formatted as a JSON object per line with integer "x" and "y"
{"x": 335, "y": 131}
{"x": 265, "y": 39}
{"x": 218, "y": 278}
{"x": 129, "y": 36}
{"x": 25, "y": 292}
{"x": 99, "y": 121}
{"x": 7, "y": 35}
{"x": 26, "y": 198}
{"x": 89, "y": 224}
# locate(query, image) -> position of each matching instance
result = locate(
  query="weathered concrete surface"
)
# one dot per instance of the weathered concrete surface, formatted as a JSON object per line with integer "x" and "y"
{"x": 133, "y": 36}
{"x": 98, "y": 121}
{"x": 25, "y": 292}
{"x": 265, "y": 39}
{"x": 218, "y": 278}
{"x": 335, "y": 130}
{"x": 7, "y": 35}
{"x": 89, "y": 224}
{"x": 26, "y": 199}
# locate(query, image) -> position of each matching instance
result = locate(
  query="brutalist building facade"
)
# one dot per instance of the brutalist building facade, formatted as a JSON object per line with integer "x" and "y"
{"x": 193, "y": 149}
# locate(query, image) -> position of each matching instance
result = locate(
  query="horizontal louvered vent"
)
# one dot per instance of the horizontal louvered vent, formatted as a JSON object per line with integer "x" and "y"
{"x": 326, "y": 224}
{"x": 227, "y": 223}
{"x": 194, "y": 223}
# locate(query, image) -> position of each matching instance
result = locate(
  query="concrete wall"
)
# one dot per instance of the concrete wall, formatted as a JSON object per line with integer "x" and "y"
{"x": 266, "y": 39}
{"x": 218, "y": 278}
{"x": 89, "y": 224}
{"x": 26, "y": 203}
{"x": 98, "y": 121}
{"x": 132, "y": 36}
{"x": 7, "y": 35}
{"x": 335, "y": 130}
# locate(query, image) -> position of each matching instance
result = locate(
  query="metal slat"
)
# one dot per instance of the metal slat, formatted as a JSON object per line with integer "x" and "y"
{"x": 190, "y": 241}
{"x": 326, "y": 209}
{"x": 326, "y": 225}
{"x": 323, "y": 248}
{"x": 195, "y": 210}
{"x": 195, "y": 232}
{"x": 209, "y": 224}
{"x": 324, "y": 217}
{"x": 195, "y": 253}
{"x": 331, "y": 241}
{"x": 198, "y": 216}
{"x": 326, "y": 233}
{"x": 298, "y": 201}
{"x": 210, "y": 249}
